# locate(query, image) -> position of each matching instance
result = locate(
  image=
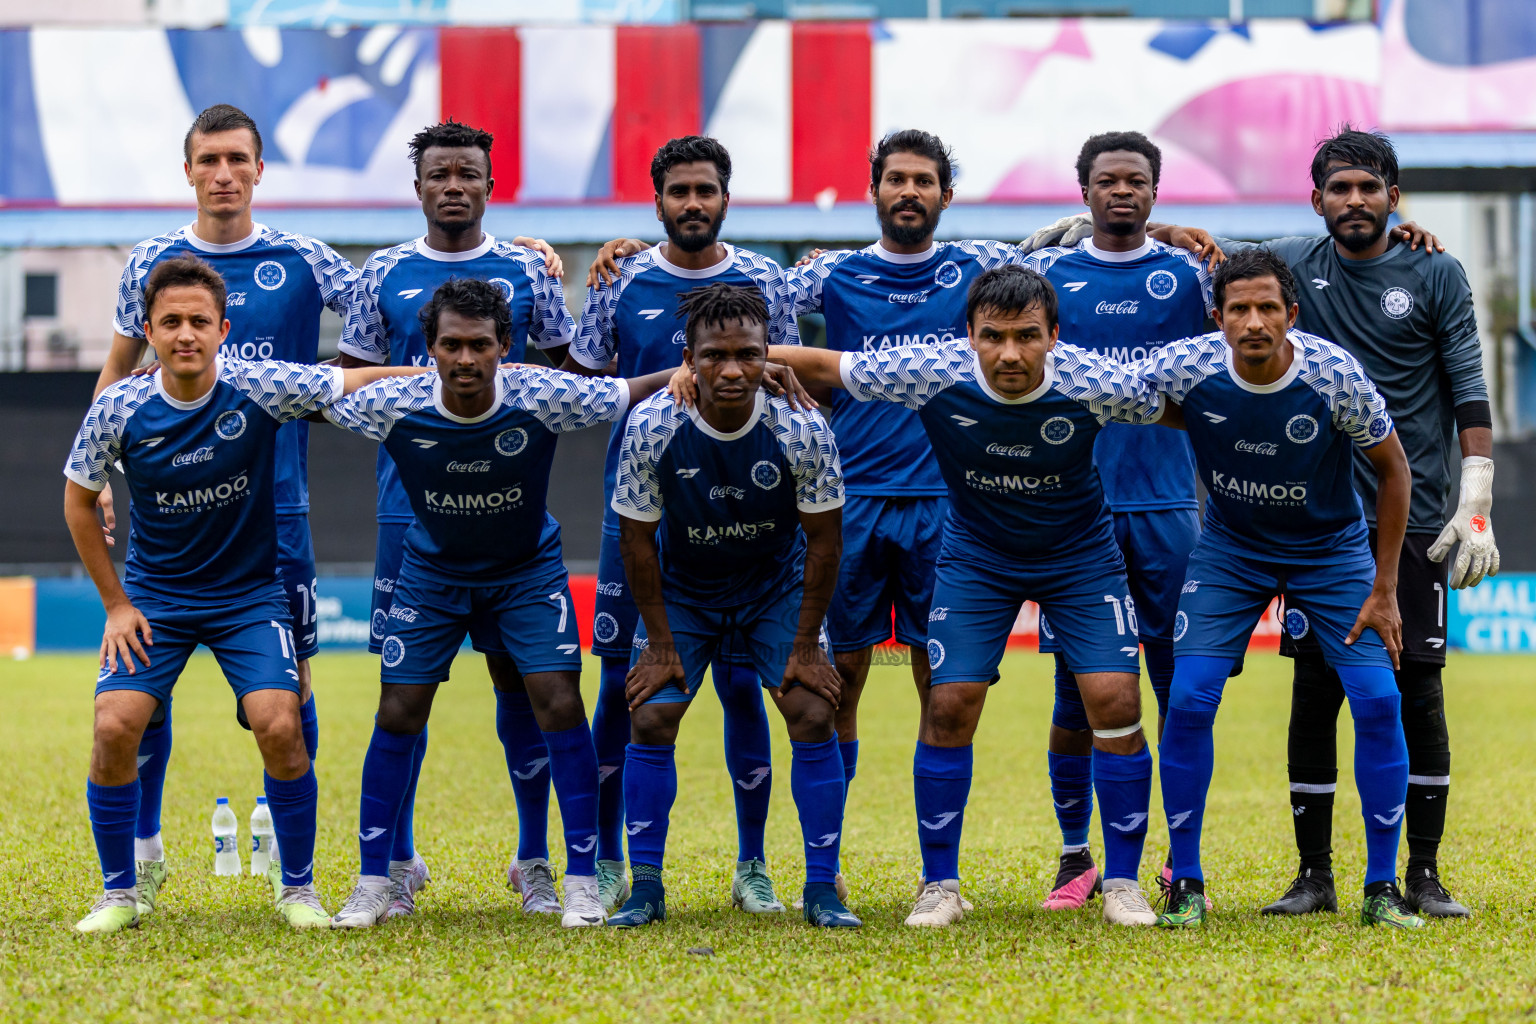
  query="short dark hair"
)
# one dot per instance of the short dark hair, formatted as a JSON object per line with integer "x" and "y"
{"x": 1118, "y": 142}
{"x": 221, "y": 117}
{"x": 450, "y": 135}
{"x": 183, "y": 272}
{"x": 472, "y": 299}
{"x": 921, "y": 143}
{"x": 1355, "y": 148}
{"x": 691, "y": 149}
{"x": 1248, "y": 264}
{"x": 1010, "y": 289}
{"x": 716, "y": 305}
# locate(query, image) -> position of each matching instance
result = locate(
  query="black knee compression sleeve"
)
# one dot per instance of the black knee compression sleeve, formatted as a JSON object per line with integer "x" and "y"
{"x": 1429, "y": 760}
{"x": 1312, "y": 753}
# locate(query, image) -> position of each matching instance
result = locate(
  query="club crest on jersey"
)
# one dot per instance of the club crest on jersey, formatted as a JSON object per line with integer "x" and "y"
{"x": 510, "y": 442}
{"x": 1161, "y": 284}
{"x": 1378, "y": 428}
{"x": 948, "y": 275}
{"x": 1180, "y": 626}
{"x": 935, "y": 654}
{"x": 765, "y": 474}
{"x": 1397, "y": 302}
{"x": 394, "y": 651}
{"x": 1301, "y": 428}
{"x": 230, "y": 425}
{"x": 270, "y": 275}
{"x": 605, "y": 628}
{"x": 1045, "y": 629}
{"x": 504, "y": 285}
{"x": 1057, "y": 430}
{"x": 1296, "y": 623}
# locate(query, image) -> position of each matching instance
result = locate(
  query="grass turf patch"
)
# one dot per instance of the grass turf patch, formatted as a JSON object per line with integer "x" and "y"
{"x": 215, "y": 950}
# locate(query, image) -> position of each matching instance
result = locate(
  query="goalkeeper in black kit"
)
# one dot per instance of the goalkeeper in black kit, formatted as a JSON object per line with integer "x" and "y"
{"x": 1404, "y": 309}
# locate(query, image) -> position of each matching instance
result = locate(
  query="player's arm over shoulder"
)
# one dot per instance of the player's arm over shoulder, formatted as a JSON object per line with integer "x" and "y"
{"x": 1356, "y": 406}
{"x": 373, "y": 409}
{"x": 285, "y": 391}
{"x": 566, "y": 401}
{"x": 1111, "y": 390}
{"x": 908, "y": 374}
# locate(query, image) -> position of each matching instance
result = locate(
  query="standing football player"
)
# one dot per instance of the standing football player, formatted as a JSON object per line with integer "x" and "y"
{"x": 1404, "y": 310}
{"x": 196, "y": 439}
{"x": 632, "y": 316}
{"x": 1123, "y": 294}
{"x": 730, "y": 528}
{"x": 278, "y": 284}
{"x": 1011, "y": 417}
{"x": 1274, "y": 415}
{"x": 454, "y": 182}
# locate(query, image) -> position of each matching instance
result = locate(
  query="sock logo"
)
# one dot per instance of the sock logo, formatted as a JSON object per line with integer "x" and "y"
{"x": 1178, "y": 820}
{"x": 940, "y": 821}
{"x": 757, "y": 776}
{"x": 605, "y": 770}
{"x": 371, "y": 834}
{"x": 1297, "y": 812}
{"x": 1136, "y": 821}
{"x": 634, "y": 828}
{"x": 1070, "y": 803}
{"x": 107, "y": 879}
{"x": 145, "y": 759}
{"x": 298, "y": 873}
{"x": 534, "y": 767}
{"x": 1397, "y": 813}
{"x": 587, "y": 848}
{"x": 826, "y": 841}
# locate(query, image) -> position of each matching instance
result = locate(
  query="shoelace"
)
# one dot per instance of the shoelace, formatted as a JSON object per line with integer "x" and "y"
{"x": 1164, "y": 894}
{"x": 758, "y": 884}
{"x": 363, "y": 898}
{"x": 583, "y": 901}
{"x": 113, "y": 898}
{"x": 1430, "y": 886}
{"x": 304, "y": 894}
{"x": 931, "y": 899}
{"x": 1129, "y": 899}
{"x": 539, "y": 886}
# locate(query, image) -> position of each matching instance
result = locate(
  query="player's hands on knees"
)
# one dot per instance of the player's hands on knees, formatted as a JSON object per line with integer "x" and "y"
{"x": 657, "y": 668}
{"x": 1379, "y": 612}
{"x": 125, "y": 623}
{"x": 1410, "y": 232}
{"x": 781, "y": 382}
{"x": 553, "y": 265}
{"x": 683, "y": 388}
{"x": 808, "y": 667}
{"x": 605, "y": 268}
{"x": 1199, "y": 242}
{"x": 108, "y": 514}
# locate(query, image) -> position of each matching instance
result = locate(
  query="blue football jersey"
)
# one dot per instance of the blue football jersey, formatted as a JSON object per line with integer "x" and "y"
{"x": 202, "y": 527}
{"x": 1125, "y": 305}
{"x": 635, "y": 318}
{"x": 729, "y": 504}
{"x": 1020, "y": 474}
{"x": 874, "y": 299}
{"x": 382, "y": 327}
{"x": 478, "y": 487}
{"x": 277, "y": 284}
{"x": 1276, "y": 458}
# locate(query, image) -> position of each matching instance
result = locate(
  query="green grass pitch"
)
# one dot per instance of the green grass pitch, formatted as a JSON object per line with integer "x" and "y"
{"x": 216, "y": 951}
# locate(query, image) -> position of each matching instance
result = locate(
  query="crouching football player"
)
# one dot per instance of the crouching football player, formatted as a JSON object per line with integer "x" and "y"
{"x": 196, "y": 440}
{"x": 474, "y": 445}
{"x": 1272, "y": 414}
{"x": 1012, "y": 418}
{"x": 746, "y": 496}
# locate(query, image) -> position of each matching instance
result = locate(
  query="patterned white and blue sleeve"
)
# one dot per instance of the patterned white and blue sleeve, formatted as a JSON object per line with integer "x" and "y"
{"x": 362, "y": 333}
{"x": 567, "y": 401}
{"x": 335, "y": 276}
{"x": 783, "y": 328}
{"x": 1357, "y": 408}
{"x": 908, "y": 374}
{"x": 637, "y": 489}
{"x": 552, "y": 325}
{"x": 1111, "y": 390}
{"x": 995, "y": 254}
{"x": 287, "y": 391}
{"x": 100, "y": 440}
{"x": 1175, "y": 368}
{"x": 594, "y": 344}
{"x": 811, "y": 452}
{"x": 373, "y": 410}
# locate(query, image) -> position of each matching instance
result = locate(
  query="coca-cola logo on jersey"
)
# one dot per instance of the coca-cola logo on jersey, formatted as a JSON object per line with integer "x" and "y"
{"x": 203, "y": 454}
{"x": 1258, "y": 447}
{"x": 482, "y": 466}
{"x": 1015, "y": 451}
{"x": 1124, "y": 308}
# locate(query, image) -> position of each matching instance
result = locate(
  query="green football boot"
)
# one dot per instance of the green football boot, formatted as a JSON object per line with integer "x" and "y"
{"x": 752, "y": 889}
{"x": 1186, "y": 905}
{"x": 115, "y": 910}
{"x": 1388, "y": 907}
{"x": 152, "y": 875}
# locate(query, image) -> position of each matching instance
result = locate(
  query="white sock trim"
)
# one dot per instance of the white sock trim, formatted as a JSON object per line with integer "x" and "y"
{"x": 1314, "y": 787}
{"x": 1079, "y": 848}
{"x": 1120, "y": 883}
{"x": 374, "y": 881}
{"x": 1429, "y": 780}
{"x": 148, "y": 849}
{"x": 1114, "y": 734}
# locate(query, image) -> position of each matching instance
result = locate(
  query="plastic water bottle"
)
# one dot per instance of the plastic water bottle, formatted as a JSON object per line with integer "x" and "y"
{"x": 261, "y": 837}
{"x": 226, "y": 839}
